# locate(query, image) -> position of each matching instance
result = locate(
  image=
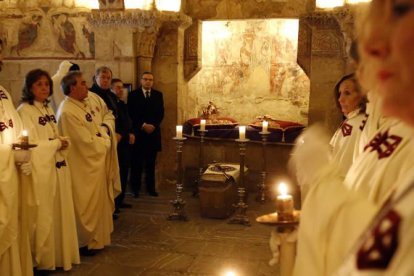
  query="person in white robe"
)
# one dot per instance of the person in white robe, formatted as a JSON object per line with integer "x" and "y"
{"x": 373, "y": 176}
{"x": 55, "y": 241}
{"x": 86, "y": 120}
{"x": 57, "y": 97}
{"x": 15, "y": 257}
{"x": 351, "y": 101}
{"x": 10, "y": 129}
{"x": 386, "y": 245}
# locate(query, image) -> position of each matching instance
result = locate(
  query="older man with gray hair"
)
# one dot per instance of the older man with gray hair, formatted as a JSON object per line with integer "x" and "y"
{"x": 86, "y": 120}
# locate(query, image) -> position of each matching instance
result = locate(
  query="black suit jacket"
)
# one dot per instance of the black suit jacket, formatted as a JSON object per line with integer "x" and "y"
{"x": 150, "y": 111}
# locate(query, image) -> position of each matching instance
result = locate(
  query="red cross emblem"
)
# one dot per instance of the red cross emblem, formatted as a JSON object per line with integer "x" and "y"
{"x": 346, "y": 129}
{"x": 42, "y": 121}
{"x": 88, "y": 117}
{"x": 3, "y": 126}
{"x": 378, "y": 250}
{"x": 384, "y": 144}
{"x": 3, "y": 95}
{"x": 364, "y": 122}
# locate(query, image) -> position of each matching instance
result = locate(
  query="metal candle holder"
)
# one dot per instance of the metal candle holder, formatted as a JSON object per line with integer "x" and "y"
{"x": 261, "y": 193}
{"x": 239, "y": 216}
{"x": 200, "y": 160}
{"x": 178, "y": 203}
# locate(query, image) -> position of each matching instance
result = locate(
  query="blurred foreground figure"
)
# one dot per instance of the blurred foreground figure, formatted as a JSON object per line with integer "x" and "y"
{"x": 386, "y": 245}
{"x": 335, "y": 208}
{"x": 15, "y": 257}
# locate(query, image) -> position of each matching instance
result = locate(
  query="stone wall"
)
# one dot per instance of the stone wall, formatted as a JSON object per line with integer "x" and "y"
{"x": 131, "y": 42}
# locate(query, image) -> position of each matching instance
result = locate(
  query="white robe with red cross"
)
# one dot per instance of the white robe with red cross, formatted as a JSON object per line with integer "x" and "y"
{"x": 10, "y": 129}
{"x": 386, "y": 245}
{"x": 344, "y": 140}
{"x": 54, "y": 243}
{"x": 94, "y": 166}
{"x": 335, "y": 212}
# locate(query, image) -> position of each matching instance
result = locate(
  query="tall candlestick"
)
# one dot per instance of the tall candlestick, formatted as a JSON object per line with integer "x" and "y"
{"x": 179, "y": 130}
{"x": 284, "y": 204}
{"x": 203, "y": 125}
{"x": 242, "y": 132}
{"x": 265, "y": 125}
{"x": 25, "y": 138}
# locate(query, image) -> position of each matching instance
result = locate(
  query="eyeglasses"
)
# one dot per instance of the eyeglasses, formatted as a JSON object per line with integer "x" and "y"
{"x": 145, "y": 79}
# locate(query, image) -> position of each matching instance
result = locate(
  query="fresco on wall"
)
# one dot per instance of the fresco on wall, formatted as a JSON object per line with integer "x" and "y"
{"x": 249, "y": 69}
{"x": 111, "y": 4}
{"x": 42, "y": 34}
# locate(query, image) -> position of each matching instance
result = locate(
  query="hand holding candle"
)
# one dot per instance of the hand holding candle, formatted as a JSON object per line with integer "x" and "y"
{"x": 242, "y": 132}
{"x": 179, "y": 130}
{"x": 202, "y": 125}
{"x": 25, "y": 138}
{"x": 284, "y": 204}
{"x": 265, "y": 125}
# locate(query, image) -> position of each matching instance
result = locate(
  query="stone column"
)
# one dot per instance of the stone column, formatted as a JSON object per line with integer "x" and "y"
{"x": 322, "y": 55}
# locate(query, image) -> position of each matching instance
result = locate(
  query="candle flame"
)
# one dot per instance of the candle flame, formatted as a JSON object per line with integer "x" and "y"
{"x": 282, "y": 189}
{"x": 24, "y": 133}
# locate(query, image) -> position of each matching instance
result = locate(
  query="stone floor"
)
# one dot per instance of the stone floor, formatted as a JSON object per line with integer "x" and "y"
{"x": 145, "y": 243}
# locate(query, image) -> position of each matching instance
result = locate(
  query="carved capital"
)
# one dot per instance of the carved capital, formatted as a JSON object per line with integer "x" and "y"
{"x": 319, "y": 35}
{"x": 127, "y": 18}
{"x": 320, "y": 19}
{"x": 145, "y": 41}
{"x": 136, "y": 18}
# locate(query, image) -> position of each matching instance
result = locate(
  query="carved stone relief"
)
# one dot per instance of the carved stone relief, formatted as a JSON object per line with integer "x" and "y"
{"x": 192, "y": 49}
{"x": 323, "y": 33}
{"x": 305, "y": 47}
{"x": 111, "y": 4}
{"x": 326, "y": 43}
{"x": 145, "y": 42}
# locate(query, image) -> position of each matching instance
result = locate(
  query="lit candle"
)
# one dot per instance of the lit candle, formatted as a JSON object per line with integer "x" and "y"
{"x": 25, "y": 137}
{"x": 284, "y": 204}
{"x": 179, "y": 130}
{"x": 242, "y": 132}
{"x": 203, "y": 125}
{"x": 265, "y": 124}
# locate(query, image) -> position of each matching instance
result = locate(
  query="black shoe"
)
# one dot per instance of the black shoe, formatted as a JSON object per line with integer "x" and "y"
{"x": 40, "y": 272}
{"x": 153, "y": 194}
{"x": 125, "y": 205}
{"x": 84, "y": 251}
{"x": 115, "y": 216}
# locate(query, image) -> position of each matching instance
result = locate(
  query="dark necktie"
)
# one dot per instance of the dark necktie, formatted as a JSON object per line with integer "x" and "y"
{"x": 147, "y": 94}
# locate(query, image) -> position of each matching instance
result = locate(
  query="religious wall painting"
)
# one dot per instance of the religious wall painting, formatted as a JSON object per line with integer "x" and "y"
{"x": 167, "y": 42}
{"x": 111, "y": 4}
{"x": 27, "y": 32}
{"x": 253, "y": 63}
{"x": 66, "y": 34}
{"x": 49, "y": 33}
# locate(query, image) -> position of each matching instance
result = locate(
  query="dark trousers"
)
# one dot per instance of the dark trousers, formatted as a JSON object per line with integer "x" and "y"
{"x": 124, "y": 165}
{"x": 143, "y": 160}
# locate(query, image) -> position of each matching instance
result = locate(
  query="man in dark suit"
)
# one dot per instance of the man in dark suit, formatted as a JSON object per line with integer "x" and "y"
{"x": 146, "y": 109}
